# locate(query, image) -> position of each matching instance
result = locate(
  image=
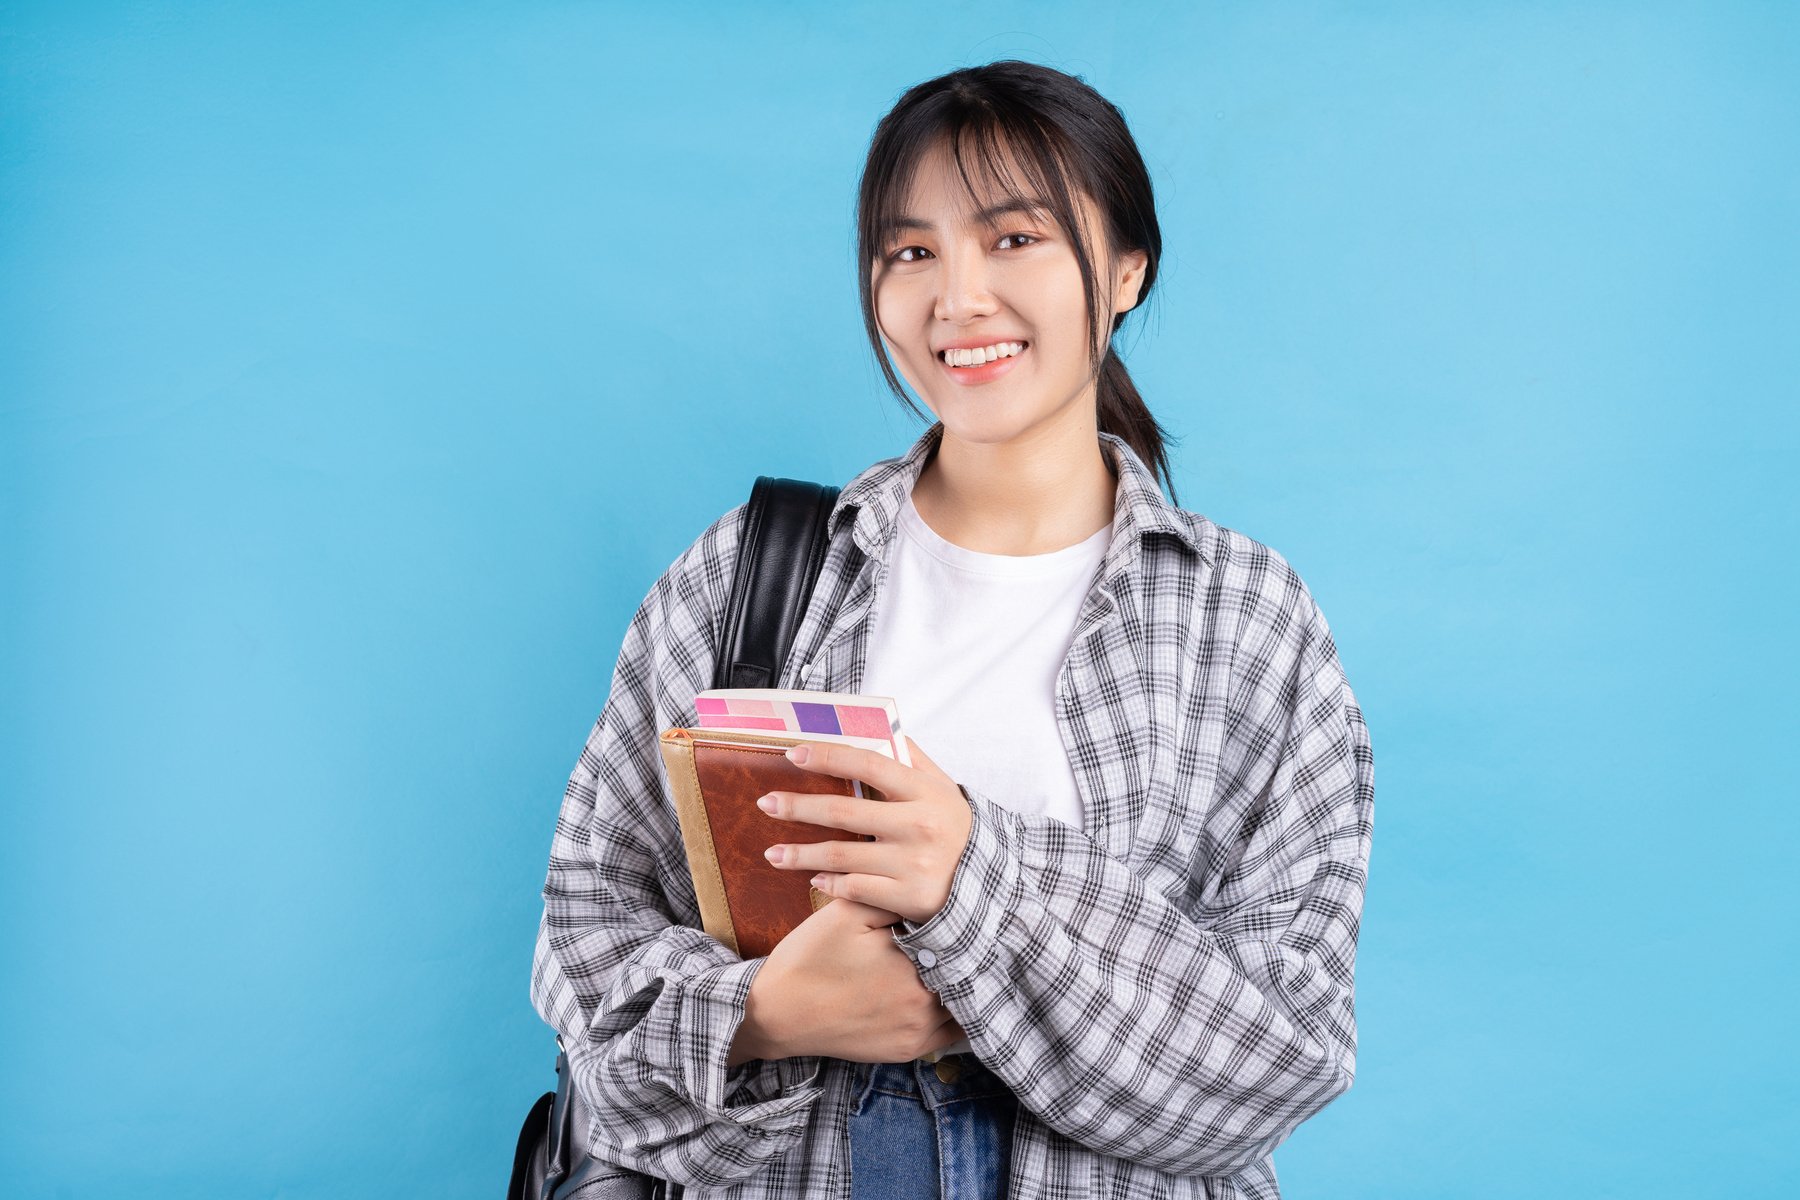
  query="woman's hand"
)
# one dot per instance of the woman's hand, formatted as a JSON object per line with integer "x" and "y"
{"x": 837, "y": 985}
{"x": 921, "y": 829}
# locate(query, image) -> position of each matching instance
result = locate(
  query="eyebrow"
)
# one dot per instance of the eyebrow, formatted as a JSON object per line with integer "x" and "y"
{"x": 987, "y": 216}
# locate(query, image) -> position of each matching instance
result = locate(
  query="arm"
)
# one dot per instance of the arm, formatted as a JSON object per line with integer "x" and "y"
{"x": 1191, "y": 1044}
{"x": 648, "y": 1005}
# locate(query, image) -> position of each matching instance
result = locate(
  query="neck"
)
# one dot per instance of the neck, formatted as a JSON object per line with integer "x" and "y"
{"x": 1047, "y": 489}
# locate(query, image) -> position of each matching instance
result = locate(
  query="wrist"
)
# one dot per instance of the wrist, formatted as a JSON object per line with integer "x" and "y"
{"x": 754, "y": 1037}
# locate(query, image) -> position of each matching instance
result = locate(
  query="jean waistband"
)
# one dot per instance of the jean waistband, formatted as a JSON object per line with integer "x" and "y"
{"x": 954, "y": 1077}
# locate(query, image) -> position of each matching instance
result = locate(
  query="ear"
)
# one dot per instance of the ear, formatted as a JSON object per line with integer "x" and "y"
{"x": 1136, "y": 263}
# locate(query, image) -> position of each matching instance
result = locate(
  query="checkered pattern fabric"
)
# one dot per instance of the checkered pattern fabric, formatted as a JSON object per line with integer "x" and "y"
{"x": 1169, "y": 992}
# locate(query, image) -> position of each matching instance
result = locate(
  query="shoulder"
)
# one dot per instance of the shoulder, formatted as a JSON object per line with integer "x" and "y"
{"x": 1247, "y": 575}
{"x": 714, "y": 548}
{"x": 1256, "y": 600}
{"x": 692, "y": 591}
{"x": 671, "y": 641}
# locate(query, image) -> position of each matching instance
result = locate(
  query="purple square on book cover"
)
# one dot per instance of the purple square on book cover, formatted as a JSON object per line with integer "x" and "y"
{"x": 816, "y": 718}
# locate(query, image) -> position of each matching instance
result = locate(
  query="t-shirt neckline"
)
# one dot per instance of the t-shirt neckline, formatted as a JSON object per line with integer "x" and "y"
{"x": 1086, "y": 552}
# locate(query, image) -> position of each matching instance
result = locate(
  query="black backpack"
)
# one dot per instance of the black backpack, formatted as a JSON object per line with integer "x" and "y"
{"x": 785, "y": 532}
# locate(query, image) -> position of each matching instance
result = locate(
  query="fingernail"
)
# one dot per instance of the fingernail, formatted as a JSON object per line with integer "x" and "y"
{"x": 766, "y": 803}
{"x": 798, "y": 754}
{"x": 773, "y": 854}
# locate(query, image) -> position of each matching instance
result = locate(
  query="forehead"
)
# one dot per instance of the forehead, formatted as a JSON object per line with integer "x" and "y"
{"x": 938, "y": 189}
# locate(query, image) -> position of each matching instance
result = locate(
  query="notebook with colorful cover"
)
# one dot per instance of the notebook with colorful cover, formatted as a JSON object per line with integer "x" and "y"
{"x": 738, "y": 753}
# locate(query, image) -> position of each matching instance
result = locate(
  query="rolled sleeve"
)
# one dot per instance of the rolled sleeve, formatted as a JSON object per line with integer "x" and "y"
{"x": 961, "y": 937}
{"x": 775, "y": 1096}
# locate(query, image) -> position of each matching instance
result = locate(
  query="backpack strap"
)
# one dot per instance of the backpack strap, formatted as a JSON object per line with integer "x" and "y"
{"x": 785, "y": 533}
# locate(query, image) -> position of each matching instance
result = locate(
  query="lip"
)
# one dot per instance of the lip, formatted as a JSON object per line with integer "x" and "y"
{"x": 986, "y": 372}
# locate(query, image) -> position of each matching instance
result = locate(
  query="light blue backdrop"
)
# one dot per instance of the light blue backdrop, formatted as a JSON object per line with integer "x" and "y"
{"x": 362, "y": 365}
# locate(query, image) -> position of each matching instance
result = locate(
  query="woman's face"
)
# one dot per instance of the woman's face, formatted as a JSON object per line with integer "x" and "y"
{"x": 956, "y": 278}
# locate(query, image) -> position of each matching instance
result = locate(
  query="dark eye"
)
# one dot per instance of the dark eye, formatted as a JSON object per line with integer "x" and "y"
{"x": 1030, "y": 237}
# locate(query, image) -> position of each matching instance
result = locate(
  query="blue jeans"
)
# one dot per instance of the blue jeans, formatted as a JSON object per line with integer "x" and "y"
{"x": 925, "y": 1129}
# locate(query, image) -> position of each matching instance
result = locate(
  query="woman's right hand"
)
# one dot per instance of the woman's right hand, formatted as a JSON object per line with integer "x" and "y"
{"x": 838, "y": 986}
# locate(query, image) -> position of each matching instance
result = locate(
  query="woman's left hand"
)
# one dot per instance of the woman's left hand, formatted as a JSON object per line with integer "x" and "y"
{"x": 921, "y": 828}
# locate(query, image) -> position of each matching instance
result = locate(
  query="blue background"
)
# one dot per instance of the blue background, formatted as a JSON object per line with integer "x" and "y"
{"x": 363, "y": 364}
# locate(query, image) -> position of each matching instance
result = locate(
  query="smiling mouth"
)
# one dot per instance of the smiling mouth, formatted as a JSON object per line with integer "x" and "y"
{"x": 943, "y": 356}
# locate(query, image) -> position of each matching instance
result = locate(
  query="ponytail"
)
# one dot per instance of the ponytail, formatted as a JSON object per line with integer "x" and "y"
{"x": 1123, "y": 413}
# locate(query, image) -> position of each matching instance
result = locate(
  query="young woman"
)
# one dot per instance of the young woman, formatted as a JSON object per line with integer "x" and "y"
{"x": 1103, "y": 943}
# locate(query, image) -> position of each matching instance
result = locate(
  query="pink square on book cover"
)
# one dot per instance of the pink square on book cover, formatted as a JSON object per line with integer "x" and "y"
{"x": 864, "y": 721}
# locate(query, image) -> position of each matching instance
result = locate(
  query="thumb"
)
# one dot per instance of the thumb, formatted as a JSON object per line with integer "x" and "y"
{"x": 919, "y": 757}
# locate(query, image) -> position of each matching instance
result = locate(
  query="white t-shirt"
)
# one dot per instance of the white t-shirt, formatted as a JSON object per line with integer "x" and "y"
{"x": 969, "y": 645}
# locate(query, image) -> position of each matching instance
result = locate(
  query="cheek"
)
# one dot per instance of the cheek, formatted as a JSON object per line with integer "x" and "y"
{"x": 1074, "y": 304}
{"x": 890, "y": 316}
{"x": 904, "y": 322}
{"x": 1059, "y": 307}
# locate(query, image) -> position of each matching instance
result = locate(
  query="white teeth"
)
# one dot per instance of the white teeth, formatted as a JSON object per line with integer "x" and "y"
{"x": 985, "y": 354}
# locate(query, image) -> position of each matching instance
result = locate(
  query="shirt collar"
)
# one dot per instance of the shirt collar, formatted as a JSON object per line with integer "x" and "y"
{"x": 1139, "y": 507}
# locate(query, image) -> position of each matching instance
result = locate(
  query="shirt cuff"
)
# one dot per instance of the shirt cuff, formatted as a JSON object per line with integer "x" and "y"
{"x": 772, "y": 1096}
{"x": 960, "y": 939}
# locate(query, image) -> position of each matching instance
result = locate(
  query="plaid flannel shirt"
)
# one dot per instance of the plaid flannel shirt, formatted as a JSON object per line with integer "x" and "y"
{"x": 1169, "y": 992}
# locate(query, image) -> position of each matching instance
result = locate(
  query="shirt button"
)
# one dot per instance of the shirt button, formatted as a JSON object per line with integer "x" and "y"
{"x": 927, "y": 959}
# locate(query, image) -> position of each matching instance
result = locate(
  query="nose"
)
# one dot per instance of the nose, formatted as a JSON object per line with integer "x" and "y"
{"x": 963, "y": 285}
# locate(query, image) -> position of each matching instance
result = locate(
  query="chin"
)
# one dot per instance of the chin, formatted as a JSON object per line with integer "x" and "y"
{"x": 987, "y": 416}
{"x": 992, "y": 425}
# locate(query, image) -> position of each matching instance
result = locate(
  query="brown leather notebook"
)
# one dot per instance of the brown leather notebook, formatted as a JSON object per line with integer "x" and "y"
{"x": 717, "y": 776}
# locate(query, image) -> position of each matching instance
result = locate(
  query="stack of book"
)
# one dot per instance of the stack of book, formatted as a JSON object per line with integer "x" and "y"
{"x": 738, "y": 753}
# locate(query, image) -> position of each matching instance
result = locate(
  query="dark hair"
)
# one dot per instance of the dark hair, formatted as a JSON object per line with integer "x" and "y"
{"x": 1066, "y": 136}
